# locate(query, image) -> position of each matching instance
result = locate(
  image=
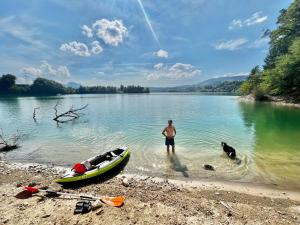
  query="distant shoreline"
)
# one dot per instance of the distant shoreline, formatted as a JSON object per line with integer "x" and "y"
{"x": 58, "y": 95}
{"x": 152, "y": 92}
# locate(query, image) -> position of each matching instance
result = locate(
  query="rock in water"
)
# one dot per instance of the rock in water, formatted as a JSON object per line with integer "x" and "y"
{"x": 208, "y": 167}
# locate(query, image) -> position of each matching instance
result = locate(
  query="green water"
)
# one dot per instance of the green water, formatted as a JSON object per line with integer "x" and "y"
{"x": 265, "y": 136}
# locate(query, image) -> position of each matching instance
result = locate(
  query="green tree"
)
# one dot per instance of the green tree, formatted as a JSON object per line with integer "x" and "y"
{"x": 251, "y": 85}
{"x": 284, "y": 78}
{"x": 281, "y": 72}
{"x": 42, "y": 86}
{"x": 282, "y": 37}
{"x": 7, "y": 82}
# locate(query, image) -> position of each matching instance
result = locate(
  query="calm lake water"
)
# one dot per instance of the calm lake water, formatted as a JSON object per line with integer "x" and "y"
{"x": 266, "y": 137}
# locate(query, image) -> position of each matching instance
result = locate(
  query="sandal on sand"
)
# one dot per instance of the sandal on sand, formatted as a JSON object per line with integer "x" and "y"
{"x": 83, "y": 207}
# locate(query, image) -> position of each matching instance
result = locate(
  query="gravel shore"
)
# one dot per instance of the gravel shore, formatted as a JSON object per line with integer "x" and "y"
{"x": 149, "y": 200}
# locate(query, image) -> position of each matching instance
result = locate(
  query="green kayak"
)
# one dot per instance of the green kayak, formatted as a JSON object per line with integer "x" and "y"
{"x": 95, "y": 166}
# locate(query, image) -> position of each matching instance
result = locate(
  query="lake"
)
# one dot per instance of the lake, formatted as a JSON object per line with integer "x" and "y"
{"x": 265, "y": 136}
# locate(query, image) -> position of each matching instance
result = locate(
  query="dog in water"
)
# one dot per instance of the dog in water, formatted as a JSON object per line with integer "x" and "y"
{"x": 230, "y": 151}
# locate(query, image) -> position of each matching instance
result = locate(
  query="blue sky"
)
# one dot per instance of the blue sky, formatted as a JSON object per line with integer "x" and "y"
{"x": 146, "y": 42}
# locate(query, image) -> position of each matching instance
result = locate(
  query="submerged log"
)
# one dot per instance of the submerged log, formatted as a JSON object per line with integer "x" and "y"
{"x": 69, "y": 115}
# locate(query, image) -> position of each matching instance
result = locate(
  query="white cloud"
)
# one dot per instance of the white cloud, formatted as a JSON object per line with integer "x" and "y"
{"x": 77, "y": 48}
{"x": 96, "y": 48}
{"x": 174, "y": 72}
{"x": 81, "y": 49}
{"x": 255, "y": 18}
{"x": 46, "y": 70}
{"x": 15, "y": 27}
{"x": 63, "y": 71}
{"x": 35, "y": 72}
{"x": 86, "y": 31}
{"x": 235, "y": 23}
{"x": 181, "y": 71}
{"x": 158, "y": 66}
{"x": 231, "y": 45}
{"x": 112, "y": 32}
{"x": 161, "y": 54}
{"x": 153, "y": 76}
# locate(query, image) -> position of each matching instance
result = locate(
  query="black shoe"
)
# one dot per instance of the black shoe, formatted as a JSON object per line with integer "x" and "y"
{"x": 83, "y": 207}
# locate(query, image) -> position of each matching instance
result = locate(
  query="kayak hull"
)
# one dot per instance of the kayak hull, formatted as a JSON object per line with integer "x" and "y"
{"x": 68, "y": 178}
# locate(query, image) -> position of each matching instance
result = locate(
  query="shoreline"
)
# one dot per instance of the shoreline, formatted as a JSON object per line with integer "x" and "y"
{"x": 218, "y": 183}
{"x": 149, "y": 200}
{"x": 272, "y": 100}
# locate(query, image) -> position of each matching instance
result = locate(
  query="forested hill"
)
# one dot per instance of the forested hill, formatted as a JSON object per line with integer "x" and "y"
{"x": 280, "y": 75}
{"x": 228, "y": 84}
{"x": 43, "y": 86}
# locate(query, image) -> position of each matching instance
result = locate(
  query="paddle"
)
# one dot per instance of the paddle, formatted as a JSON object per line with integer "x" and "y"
{"x": 116, "y": 201}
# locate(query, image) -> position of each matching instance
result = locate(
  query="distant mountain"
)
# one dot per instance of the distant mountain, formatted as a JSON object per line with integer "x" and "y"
{"x": 73, "y": 85}
{"x": 217, "y": 84}
{"x": 219, "y": 80}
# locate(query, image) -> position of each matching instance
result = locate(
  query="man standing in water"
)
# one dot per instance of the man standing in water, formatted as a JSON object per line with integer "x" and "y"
{"x": 169, "y": 132}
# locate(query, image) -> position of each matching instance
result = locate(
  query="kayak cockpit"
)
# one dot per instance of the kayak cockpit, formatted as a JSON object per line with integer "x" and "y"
{"x": 108, "y": 156}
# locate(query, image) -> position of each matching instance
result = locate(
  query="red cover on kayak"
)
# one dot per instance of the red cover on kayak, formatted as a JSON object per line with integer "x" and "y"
{"x": 79, "y": 168}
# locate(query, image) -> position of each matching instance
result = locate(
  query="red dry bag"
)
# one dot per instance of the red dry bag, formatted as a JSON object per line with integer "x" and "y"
{"x": 79, "y": 168}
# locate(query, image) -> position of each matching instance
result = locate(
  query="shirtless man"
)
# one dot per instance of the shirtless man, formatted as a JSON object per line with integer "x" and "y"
{"x": 169, "y": 132}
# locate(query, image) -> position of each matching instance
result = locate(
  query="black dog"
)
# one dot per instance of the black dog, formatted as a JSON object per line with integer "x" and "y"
{"x": 230, "y": 151}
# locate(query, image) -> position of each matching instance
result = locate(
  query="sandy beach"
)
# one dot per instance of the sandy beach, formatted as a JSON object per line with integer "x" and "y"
{"x": 149, "y": 200}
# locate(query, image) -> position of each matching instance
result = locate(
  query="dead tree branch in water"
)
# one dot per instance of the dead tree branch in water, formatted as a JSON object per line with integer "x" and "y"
{"x": 67, "y": 116}
{"x": 7, "y": 144}
{"x": 34, "y": 113}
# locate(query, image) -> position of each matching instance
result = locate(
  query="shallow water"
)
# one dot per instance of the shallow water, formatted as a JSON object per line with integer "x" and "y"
{"x": 265, "y": 136}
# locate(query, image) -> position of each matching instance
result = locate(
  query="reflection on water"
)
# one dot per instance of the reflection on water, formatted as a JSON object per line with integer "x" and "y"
{"x": 265, "y": 137}
{"x": 277, "y": 135}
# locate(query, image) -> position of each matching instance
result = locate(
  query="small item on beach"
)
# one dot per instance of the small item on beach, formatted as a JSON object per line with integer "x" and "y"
{"x": 231, "y": 210}
{"x": 208, "y": 167}
{"x": 96, "y": 205}
{"x": 116, "y": 201}
{"x": 23, "y": 194}
{"x": 125, "y": 182}
{"x": 82, "y": 207}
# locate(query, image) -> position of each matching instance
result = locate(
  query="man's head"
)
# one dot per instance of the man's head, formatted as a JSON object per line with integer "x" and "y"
{"x": 170, "y": 122}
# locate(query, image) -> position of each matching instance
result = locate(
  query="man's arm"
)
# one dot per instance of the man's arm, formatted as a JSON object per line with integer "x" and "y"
{"x": 174, "y": 131}
{"x": 163, "y": 132}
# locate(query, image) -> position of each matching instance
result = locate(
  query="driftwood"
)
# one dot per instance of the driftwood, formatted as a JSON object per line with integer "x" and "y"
{"x": 34, "y": 113}
{"x": 9, "y": 143}
{"x": 230, "y": 209}
{"x": 69, "y": 115}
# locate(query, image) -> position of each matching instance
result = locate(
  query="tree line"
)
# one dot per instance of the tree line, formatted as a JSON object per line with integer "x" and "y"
{"x": 225, "y": 86}
{"x": 42, "y": 86}
{"x": 280, "y": 74}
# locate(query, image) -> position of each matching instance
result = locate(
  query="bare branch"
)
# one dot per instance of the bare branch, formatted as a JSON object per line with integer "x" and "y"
{"x": 55, "y": 107}
{"x": 34, "y": 113}
{"x": 68, "y": 115}
{"x": 8, "y": 144}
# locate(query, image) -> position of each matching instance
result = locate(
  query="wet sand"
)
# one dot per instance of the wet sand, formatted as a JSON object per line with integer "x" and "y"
{"x": 149, "y": 200}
